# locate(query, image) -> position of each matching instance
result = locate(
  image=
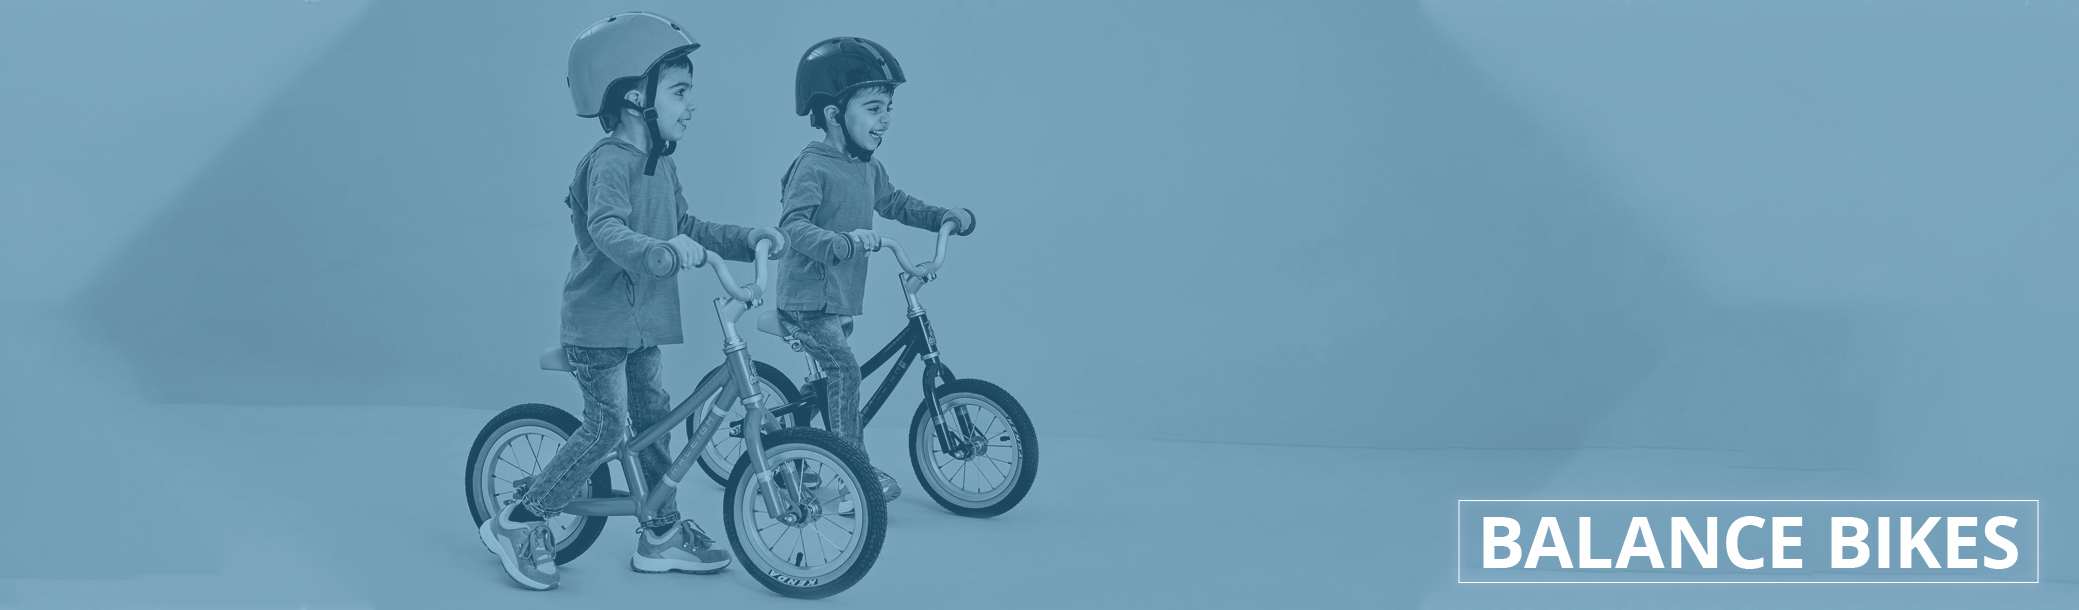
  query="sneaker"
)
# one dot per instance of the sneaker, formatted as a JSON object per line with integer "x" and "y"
{"x": 810, "y": 481}
{"x": 684, "y": 549}
{"x": 889, "y": 490}
{"x": 813, "y": 484}
{"x": 524, "y": 548}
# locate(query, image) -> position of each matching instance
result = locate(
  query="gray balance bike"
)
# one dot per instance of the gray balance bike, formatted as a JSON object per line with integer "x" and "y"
{"x": 798, "y": 518}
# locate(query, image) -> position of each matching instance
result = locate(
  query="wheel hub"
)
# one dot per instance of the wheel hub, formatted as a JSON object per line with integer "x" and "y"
{"x": 801, "y": 514}
{"x": 970, "y": 447}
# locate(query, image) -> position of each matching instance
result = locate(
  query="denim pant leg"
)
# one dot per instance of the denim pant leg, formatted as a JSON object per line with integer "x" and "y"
{"x": 823, "y": 336}
{"x": 599, "y": 374}
{"x": 648, "y": 403}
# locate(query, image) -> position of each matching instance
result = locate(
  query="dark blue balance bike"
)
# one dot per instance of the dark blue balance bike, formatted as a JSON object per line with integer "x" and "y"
{"x": 971, "y": 444}
{"x": 798, "y": 519}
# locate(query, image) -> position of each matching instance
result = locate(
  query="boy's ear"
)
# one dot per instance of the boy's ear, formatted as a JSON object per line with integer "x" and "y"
{"x": 830, "y": 115}
{"x": 634, "y": 96}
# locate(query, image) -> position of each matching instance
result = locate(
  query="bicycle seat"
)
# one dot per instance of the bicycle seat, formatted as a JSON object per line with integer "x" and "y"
{"x": 553, "y": 359}
{"x": 769, "y": 323}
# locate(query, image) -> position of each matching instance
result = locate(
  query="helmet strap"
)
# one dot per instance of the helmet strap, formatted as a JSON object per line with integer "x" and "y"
{"x": 658, "y": 146}
{"x": 852, "y": 149}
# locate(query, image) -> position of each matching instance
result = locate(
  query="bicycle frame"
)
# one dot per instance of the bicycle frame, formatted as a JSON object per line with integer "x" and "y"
{"x": 916, "y": 341}
{"x": 642, "y": 502}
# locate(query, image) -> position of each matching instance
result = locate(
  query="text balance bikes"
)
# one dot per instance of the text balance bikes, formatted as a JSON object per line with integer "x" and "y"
{"x": 970, "y": 443}
{"x": 798, "y": 519}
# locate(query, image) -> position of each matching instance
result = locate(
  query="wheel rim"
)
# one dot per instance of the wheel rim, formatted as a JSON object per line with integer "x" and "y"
{"x": 811, "y": 553}
{"x": 975, "y": 481}
{"x": 519, "y": 450}
{"x": 722, "y": 450}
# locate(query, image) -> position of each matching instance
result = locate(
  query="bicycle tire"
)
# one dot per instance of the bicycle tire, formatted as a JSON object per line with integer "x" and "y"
{"x": 1026, "y": 447}
{"x": 793, "y": 441}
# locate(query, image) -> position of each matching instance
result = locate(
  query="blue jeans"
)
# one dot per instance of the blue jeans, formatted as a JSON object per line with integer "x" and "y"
{"x": 824, "y": 336}
{"x": 620, "y": 385}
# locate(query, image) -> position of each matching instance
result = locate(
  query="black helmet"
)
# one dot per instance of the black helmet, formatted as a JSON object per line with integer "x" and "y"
{"x": 834, "y": 67}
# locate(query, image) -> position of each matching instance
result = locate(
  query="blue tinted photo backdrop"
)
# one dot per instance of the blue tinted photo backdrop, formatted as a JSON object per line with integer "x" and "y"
{"x": 1827, "y": 236}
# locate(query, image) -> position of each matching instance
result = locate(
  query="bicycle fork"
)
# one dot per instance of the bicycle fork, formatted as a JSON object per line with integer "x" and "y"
{"x": 966, "y": 442}
{"x": 756, "y": 416}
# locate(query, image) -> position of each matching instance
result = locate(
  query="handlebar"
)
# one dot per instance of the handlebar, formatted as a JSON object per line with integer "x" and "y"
{"x": 928, "y": 268}
{"x": 661, "y": 258}
{"x": 749, "y": 293}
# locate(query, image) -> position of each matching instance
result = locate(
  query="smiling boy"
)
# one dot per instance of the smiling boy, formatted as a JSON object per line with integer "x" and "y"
{"x": 631, "y": 71}
{"x": 846, "y": 86}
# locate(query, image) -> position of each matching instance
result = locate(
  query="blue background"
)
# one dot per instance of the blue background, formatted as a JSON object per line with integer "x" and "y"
{"x": 1504, "y": 248}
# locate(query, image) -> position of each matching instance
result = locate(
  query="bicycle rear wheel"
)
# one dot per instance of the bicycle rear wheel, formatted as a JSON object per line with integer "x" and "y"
{"x": 829, "y": 531}
{"x": 986, "y": 466}
{"x": 509, "y": 452}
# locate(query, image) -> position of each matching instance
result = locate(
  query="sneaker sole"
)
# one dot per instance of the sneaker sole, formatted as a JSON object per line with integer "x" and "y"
{"x": 664, "y": 566}
{"x": 512, "y": 566}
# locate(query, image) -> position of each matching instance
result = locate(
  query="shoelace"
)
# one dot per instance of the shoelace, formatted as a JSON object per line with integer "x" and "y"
{"x": 543, "y": 546}
{"x": 700, "y": 539}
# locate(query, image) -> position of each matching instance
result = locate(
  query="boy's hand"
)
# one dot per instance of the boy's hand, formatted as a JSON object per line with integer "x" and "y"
{"x": 962, "y": 219}
{"x": 866, "y": 239}
{"x": 779, "y": 241}
{"x": 690, "y": 254}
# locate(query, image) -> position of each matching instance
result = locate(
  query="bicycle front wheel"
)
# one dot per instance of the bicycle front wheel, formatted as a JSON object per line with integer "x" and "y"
{"x": 829, "y": 527}
{"x": 984, "y": 462}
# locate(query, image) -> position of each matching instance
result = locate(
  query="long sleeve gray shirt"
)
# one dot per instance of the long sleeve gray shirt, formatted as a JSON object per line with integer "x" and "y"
{"x": 824, "y": 195}
{"x": 610, "y": 299}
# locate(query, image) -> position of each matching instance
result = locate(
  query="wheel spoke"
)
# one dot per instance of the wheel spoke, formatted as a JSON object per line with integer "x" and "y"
{"x": 840, "y": 526}
{"x": 822, "y": 556}
{"x": 522, "y": 469}
{"x": 1000, "y": 472}
{"x": 833, "y": 543}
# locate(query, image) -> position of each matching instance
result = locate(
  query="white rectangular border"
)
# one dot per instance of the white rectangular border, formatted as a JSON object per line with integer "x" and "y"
{"x": 1459, "y": 553}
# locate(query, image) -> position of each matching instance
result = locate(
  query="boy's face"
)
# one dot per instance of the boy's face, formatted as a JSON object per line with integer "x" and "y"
{"x": 674, "y": 103}
{"x": 868, "y": 116}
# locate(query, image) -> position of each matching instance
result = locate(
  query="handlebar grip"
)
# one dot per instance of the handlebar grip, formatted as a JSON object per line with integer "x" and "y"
{"x": 761, "y": 257}
{"x": 661, "y": 260}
